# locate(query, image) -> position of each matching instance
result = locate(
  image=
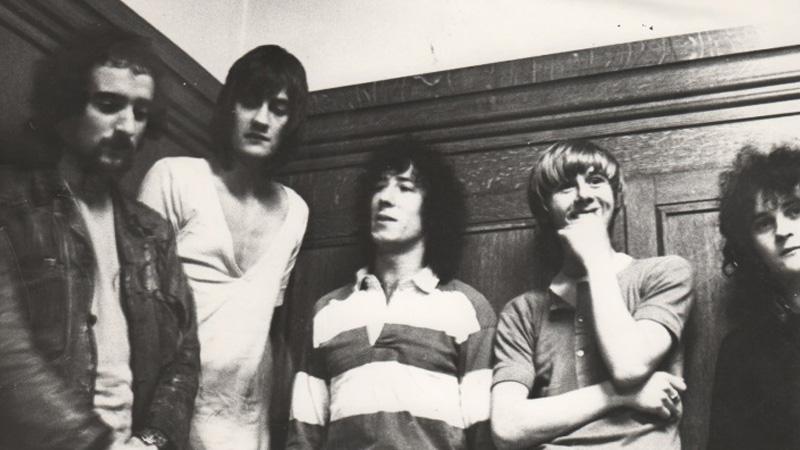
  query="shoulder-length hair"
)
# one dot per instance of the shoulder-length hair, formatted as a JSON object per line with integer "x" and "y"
{"x": 262, "y": 73}
{"x": 558, "y": 165}
{"x": 772, "y": 175}
{"x": 443, "y": 205}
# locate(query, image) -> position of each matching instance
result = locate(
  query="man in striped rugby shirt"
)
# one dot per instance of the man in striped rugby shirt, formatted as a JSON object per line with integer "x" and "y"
{"x": 400, "y": 357}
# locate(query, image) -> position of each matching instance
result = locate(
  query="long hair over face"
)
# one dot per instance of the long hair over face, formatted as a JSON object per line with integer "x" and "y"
{"x": 261, "y": 74}
{"x": 773, "y": 175}
{"x": 61, "y": 81}
{"x": 443, "y": 205}
{"x": 557, "y": 166}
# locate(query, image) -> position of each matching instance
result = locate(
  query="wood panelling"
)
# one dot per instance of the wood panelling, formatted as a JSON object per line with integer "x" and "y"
{"x": 31, "y": 29}
{"x": 674, "y": 111}
{"x": 490, "y": 77}
{"x": 673, "y": 120}
{"x": 689, "y": 229}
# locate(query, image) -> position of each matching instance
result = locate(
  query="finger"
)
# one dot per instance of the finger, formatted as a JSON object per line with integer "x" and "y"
{"x": 677, "y": 383}
{"x": 673, "y": 396}
{"x": 663, "y": 412}
{"x": 671, "y": 407}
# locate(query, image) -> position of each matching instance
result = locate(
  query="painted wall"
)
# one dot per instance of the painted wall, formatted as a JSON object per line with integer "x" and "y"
{"x": 344, "y": 42}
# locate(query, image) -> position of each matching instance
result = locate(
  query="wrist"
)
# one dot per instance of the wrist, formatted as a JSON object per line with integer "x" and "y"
{"x": 615, "y": 398}
{"x": 153, "y": 438}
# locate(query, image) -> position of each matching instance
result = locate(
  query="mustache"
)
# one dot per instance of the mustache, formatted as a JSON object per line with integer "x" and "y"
{"x": 119, "y": 141}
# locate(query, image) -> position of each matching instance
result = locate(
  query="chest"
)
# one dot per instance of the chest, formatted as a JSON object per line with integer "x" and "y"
{"x": 253, "y": 224}
{"x": 414, "y": 329}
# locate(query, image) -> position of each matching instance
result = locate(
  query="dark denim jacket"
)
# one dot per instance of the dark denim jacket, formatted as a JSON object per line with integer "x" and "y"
{"x": 47, "y": 349}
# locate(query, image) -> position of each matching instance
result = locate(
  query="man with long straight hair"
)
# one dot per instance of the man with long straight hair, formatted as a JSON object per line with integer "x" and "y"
{"x": 239, "y": 232}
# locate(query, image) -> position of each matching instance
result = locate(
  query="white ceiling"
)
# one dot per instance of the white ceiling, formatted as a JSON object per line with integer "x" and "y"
{"x": 344, "y": 42}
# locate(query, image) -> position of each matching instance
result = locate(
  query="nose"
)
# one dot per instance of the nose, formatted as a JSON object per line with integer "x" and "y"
{"x": 783, "y": 226}
{"x": 262, "y": 115}
{"x": 583, "y": 189}
{"x": 126, "y": 121}
{"x": 386, "y": 195}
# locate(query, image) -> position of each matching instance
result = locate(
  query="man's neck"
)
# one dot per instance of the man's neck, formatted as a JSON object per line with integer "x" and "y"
{"x": 246, "y": 179}
{"x": 91, "y": 188}
{"x": 391, "y": 268}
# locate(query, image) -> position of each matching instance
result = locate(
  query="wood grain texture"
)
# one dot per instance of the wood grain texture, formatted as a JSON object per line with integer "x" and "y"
{"x": 491, "y": 77}
{"x": 32, "y": 29}
{"x": 690, "y": 230}
{"x": 625, "y": 90}
{"x": 674, "y": 121}
{"x": 673, "y": 110}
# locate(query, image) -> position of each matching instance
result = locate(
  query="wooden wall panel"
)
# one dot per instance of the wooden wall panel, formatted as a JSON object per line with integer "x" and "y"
{"x": 674, "y": 123}
{"x": 496, "y": 180}
{"x": 32, "y": 29}
{"x": 690, "y": 230}
{"x": 674, "y": 110}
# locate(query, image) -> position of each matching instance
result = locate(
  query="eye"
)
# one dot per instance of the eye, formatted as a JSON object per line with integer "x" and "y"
{"x": 279, "y": 107}
{"x": 596, "y": 179}
{"x": 381, "y": 185}
{"x": 763, "y": 224}
{"x": 407, "y": 186}
{"x": 108, "y": 104}
{"x": 141, "y": 112}
{"x": 250, "y": 102}
{"x": 792, "y": 211}
{"x": 565, "y": 187}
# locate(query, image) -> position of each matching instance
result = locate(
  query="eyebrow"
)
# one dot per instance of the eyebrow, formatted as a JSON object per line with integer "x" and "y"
{"x": 117, "y": 96}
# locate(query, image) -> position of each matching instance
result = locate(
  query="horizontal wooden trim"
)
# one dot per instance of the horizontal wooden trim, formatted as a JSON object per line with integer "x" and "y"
{"x": 477, "y": 228}
{"x": 587, "y": 94}
{"x": 189, "y": 88}
{"x": 495, "y": 181}
{"x": 548, "y": 68}
{"x": 750, "y": 104}
{"x": 39, "y": 33}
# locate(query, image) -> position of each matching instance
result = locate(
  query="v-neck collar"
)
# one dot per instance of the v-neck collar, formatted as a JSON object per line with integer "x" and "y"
{"x": 229, "y": 251}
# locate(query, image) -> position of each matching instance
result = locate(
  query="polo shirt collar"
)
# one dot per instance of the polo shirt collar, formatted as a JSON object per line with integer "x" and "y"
{"x": 425, "y": 280}
{"x": 564, "y": 289}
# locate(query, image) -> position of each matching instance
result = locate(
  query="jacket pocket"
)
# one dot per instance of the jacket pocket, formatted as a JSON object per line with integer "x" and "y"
{"x": 46, "y": 306}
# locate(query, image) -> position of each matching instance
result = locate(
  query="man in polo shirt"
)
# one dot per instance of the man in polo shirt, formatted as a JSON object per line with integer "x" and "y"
{"x": 400, "y": 358}
{"x": 595, "y": 360}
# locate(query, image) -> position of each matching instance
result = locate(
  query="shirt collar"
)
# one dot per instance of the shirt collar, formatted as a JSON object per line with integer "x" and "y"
{"x": 425, "y": 280}
{"x": 564, "y": 289}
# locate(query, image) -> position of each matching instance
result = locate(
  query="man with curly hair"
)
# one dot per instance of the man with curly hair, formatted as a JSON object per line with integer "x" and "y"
{"x": 756, "y": 400}
{"x": 400, "y": 357}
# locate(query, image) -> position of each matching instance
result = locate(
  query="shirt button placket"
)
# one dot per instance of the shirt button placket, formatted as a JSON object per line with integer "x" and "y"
{"x": 581, "y": 343}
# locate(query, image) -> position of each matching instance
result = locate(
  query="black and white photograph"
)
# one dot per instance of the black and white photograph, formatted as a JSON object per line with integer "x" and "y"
{"x": 399, "y": 225}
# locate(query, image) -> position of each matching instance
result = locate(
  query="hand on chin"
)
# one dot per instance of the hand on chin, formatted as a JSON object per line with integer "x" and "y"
{"x": 587, "y": 238}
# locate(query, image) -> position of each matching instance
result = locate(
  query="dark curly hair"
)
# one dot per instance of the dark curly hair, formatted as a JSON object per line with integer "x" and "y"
{"x": 443, "y": 206}
{"x": 61, "y": 82}
{"x": 261, "y": 73}
{"x": 558, "y": 164}
{"x": 774, "y": 175}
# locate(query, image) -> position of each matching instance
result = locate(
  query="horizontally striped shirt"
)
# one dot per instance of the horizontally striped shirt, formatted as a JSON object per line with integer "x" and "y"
{"x": 412, "y": 372}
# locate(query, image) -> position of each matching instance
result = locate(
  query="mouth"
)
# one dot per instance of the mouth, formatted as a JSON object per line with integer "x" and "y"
{"x": 576, "y": 214}
{"x": 381, "y": 218}
{"x": 256, "y": 137}
{"x": 789, "y": 250}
